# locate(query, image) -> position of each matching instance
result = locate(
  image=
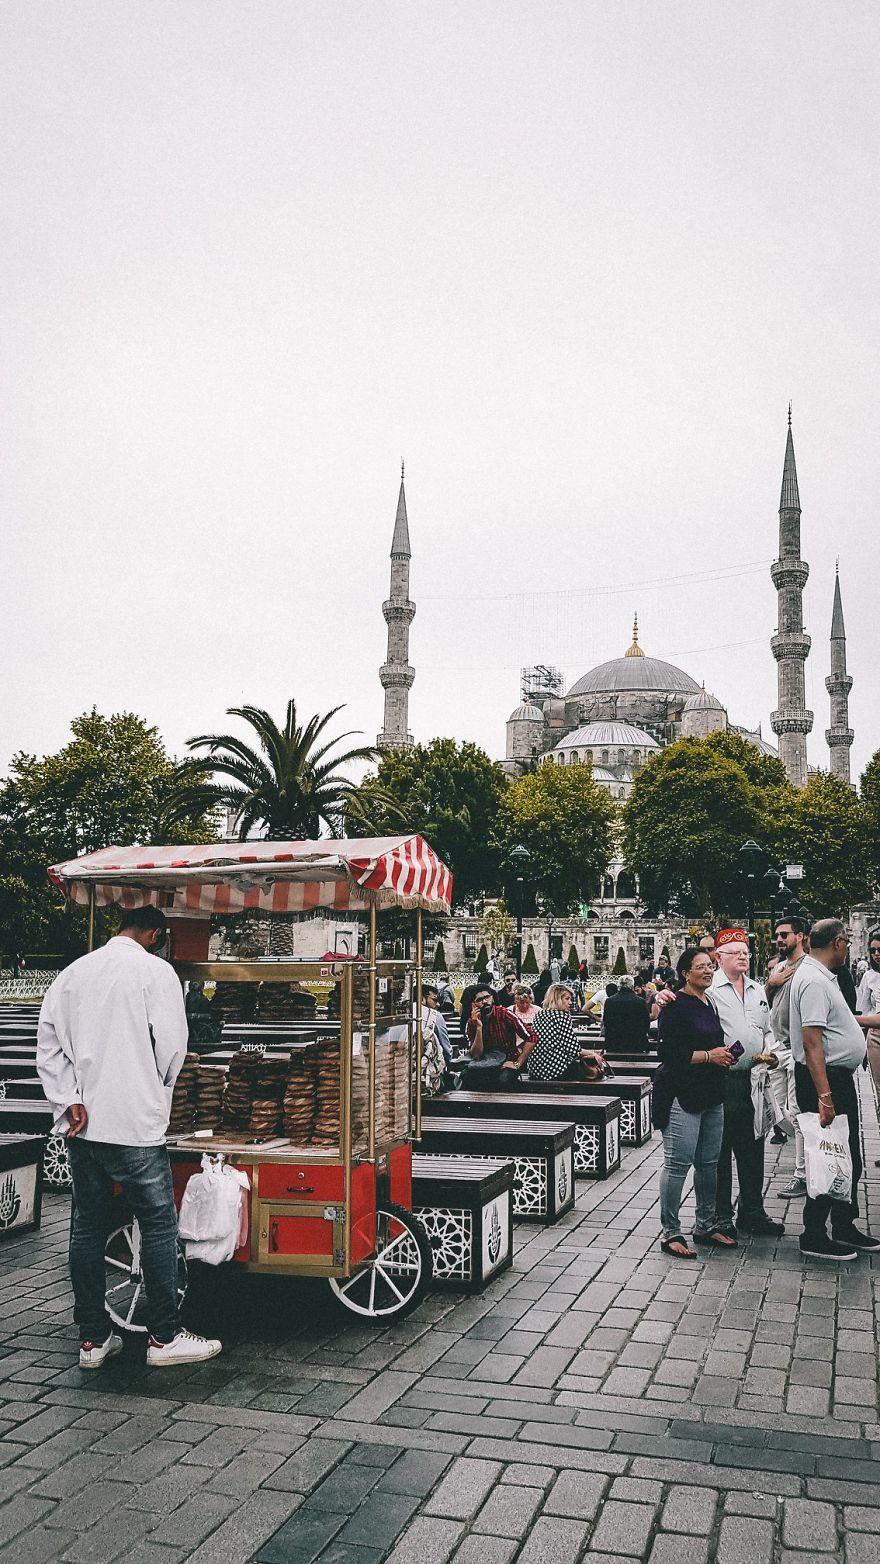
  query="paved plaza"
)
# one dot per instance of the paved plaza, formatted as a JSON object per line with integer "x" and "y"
{"x": 599, "y": 1400}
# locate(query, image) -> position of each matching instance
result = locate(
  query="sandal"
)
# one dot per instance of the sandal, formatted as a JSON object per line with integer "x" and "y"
{"x": 716, "y": 1238}
{"x": 678, "y": 1254}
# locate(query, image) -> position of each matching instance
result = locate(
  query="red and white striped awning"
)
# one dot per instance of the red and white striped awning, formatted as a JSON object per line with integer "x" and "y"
{"x": 258, "y": 876}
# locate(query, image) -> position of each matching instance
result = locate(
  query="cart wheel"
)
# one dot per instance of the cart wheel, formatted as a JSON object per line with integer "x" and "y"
{"x": 56, "y": 1163}
{"x": 391, "y": 1284}
{"x": 125, "y": 1296}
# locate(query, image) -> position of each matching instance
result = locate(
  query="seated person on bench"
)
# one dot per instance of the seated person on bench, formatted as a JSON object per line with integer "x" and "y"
{"x": 557, "y": 1054}
{"x": 499, "y": 1042}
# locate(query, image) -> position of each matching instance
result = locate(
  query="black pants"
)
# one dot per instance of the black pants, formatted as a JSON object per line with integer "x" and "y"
{"x": 489, "y": 1075}
{"x": 842, "y": 1085}
{"x": 738, "y": 1141}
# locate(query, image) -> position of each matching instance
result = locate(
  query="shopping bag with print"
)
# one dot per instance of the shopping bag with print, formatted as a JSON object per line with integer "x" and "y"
{"x": 827, "y": 1156}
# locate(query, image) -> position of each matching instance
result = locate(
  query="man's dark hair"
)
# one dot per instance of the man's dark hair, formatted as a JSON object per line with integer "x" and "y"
{"x": 484, "y": 979}
{"x": 797, "y": 925}
{"x": 610, "y": 988}
{"x": 484, "y": 988}
{"x": 509, "y": 972}
{"x": 825, "y": 932}
{"x": 143, "y": 919}
{"x": 429, "y": 988}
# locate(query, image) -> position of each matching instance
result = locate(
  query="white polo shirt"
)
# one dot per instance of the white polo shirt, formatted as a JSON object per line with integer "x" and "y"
{"x": 112, "y": 1035}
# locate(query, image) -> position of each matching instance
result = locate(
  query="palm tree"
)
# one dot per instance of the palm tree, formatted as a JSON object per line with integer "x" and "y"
{"x": 291, "y": 783}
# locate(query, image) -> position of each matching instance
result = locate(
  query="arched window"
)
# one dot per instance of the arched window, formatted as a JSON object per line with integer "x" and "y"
{"x": 621, "y": 757}
{"x": 608, "y": 888}
{"x": 574, "y": 758}
{"x": 626, "y": 888}
{"x": 604, "y": 757}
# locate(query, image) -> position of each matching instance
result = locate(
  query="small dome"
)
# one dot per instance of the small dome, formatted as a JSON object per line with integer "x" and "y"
{"x": 702, "y": 701}
{"x": 620, "y": 733}
{"x": 526, "y": 713}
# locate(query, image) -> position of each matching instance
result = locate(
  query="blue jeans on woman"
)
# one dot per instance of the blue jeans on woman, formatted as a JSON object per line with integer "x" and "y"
{"x": 144, "y": 1176}
{"x": 690, "y": 1140}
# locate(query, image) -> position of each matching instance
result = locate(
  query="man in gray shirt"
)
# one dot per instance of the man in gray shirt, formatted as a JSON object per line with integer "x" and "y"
{"x": 828, "y": 1045}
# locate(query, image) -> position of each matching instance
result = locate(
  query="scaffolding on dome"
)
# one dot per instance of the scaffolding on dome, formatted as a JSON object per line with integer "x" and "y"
{"x": 542, "y": 682}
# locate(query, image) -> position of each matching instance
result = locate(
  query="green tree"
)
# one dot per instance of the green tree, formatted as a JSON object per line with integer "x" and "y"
{"x": 530, "y": 962}
{"x": 482, "y": 959}
{"x": 497, "y": 927}
{"x": 564, "y": 819}
{"x": 440, "y": 958}
{"x": 291, "y": 783}
{"x": 574, "y": 959}
{"x": 619, "y": 967}
{"x": 827, "y": 830}
{"x": 450, "y": 793}
{"x": 870, "y": 796}
{"x": 690, "y": 810}
{"x": 113, "y": 783}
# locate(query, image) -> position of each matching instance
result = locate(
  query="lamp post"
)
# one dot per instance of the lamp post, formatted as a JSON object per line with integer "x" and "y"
{"x": 751, "y": 862}
{"x": 520, "y": 858}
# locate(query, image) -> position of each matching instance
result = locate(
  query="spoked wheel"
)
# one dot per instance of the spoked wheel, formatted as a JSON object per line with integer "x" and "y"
{"x": 125, "y": 1296}
{"x": 394, "y": 1281}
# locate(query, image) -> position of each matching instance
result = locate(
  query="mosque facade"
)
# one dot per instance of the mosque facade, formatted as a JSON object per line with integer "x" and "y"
{"x": 620, "y": 713}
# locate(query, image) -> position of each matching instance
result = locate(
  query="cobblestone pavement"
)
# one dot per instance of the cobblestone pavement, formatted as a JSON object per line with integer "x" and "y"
{"x": 599, "y": 1400}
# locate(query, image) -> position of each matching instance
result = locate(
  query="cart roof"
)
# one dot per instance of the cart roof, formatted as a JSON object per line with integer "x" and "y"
{"x": 346, "y": 875}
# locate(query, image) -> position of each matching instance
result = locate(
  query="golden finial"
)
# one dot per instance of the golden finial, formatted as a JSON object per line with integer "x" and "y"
{"x": 635, "y": 650}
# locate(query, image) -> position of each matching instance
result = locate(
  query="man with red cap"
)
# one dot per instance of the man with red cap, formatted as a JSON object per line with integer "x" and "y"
{"x": 745, "y": 1016}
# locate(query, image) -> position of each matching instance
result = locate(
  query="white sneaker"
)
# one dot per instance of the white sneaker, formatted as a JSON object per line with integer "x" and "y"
{"x": 94, "y": 1354}
{"x": 185, "y": 1348}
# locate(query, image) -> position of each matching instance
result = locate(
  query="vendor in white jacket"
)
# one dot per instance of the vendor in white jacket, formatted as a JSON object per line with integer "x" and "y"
{"x": 745, "y": 1016}
{"x": 110, "y": 1043}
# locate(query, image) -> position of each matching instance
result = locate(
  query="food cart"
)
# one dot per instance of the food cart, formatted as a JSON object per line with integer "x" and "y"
{"x": 334, "y": 1198}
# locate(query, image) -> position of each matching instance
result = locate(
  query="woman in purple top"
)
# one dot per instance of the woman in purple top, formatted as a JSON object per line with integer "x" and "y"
{"x": 692, "y": 1051}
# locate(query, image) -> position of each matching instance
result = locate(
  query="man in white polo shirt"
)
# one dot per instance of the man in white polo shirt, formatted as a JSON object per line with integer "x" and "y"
{"x": 828, "y": 1045}
{"x": 110, "y": 1042}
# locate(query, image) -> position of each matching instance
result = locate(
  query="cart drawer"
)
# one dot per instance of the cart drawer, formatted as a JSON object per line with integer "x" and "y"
{"x": 300, "y": 1233}
{"x": 279, "y": 1182}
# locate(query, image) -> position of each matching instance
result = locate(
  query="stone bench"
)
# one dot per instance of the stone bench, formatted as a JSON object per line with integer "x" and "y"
{"x": 542, "y": 1154}
{"x": 465, "y": 1205}
{"x": 596, "y": 1120}
{"x": 30, "y": 1116}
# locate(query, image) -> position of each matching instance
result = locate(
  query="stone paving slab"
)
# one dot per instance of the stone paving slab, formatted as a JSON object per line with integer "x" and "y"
{"x": 599, "y": 1402}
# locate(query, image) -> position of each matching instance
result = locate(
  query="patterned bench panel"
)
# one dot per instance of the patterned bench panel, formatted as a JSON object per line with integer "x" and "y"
{"x": 466, "y": 1207}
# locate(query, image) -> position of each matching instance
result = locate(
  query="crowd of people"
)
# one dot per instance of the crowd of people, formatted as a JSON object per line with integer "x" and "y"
{"x": 739, "y": 1057}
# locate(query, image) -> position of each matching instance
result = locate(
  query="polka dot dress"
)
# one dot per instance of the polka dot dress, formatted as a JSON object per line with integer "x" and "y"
{"x": 557, "y": 1047}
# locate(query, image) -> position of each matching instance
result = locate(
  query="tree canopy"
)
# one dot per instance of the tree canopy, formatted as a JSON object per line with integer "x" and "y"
{"x": 827, "y": 830}
{"x": 113, "y": 783}
{"x": 451, "y": 794}
{"x": 690, "y": 809}
{"x": 291, "y": 783}
{"x": 564, "y": 820}
{"x": 870, "y": 796}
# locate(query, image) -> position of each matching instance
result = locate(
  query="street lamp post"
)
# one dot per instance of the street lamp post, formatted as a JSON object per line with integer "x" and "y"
{"x": 519, "y": 857}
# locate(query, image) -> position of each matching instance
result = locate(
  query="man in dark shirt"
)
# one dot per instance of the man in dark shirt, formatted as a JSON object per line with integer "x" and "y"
{"x": 469, "y": 994}
{"x": 626, "y": 1020}
{"x": 506, "y": 994}
{"x": 500, "y": 1044}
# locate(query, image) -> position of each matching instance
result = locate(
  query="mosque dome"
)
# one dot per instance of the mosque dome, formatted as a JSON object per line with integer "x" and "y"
{"x": 526, "y": 713}
{"x": 634, "y": 673}
{"x": 621, "y": 734}
{"x": 702, "y": 701}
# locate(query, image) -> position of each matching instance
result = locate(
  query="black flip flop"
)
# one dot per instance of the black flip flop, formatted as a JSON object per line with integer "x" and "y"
{"x": 677, "y": 1238}
{"x": 712, "y": 1241}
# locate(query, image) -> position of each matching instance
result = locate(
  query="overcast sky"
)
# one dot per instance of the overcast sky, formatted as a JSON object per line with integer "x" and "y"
{"x": 570, "y": 260}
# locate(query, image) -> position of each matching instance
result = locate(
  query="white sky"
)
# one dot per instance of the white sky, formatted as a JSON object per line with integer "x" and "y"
{"x": 570, "y": 260}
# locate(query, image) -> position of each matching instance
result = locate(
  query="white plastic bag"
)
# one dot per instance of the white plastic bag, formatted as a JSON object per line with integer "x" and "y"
{"x": 213, "y": 1212}
{"x": 762, "y": 1101}
{"x": 827, "y": 1156}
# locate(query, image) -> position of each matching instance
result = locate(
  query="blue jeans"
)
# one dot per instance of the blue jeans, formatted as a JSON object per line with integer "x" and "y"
{"x": 144, "y": 1174}
{"x": 690, "y": 1140}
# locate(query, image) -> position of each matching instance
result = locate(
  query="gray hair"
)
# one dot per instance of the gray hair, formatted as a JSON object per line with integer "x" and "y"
{"x": 627, "y": 982}
{"x": 825, "y": 932}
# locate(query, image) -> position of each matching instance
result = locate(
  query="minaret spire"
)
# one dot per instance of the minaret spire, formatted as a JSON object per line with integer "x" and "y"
{"x": 396, "y": 675}
{"x": 791, "y": 722}
{"x": 839, "y": 736}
